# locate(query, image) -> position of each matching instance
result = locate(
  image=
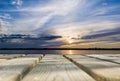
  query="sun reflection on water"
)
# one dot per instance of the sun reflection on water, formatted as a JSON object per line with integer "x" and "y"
{"x": 70, "y": 52}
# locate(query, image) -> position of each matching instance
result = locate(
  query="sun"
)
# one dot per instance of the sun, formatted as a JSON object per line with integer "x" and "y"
{"x": 70, "y": 41}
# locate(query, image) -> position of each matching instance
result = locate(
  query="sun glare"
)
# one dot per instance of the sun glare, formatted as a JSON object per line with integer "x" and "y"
{"x": 70, "y": 52}
{"x": 70, "y": 41}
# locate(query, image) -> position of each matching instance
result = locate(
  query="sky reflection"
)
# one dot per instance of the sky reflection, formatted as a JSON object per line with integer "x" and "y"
{"x": 70, "y": 52}
{"x": 59, "y": 52}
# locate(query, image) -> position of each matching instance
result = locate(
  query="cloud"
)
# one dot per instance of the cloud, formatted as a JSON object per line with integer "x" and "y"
{"x": 91, "y": 20}
{"x": 4, "y": 24}
{"x": 5, "y": 16}
{"x": 17, "y": 3}
{"x": 26, "y": 25}
{"x": 24, "y": 38}
{"x": 55, "y": 7}
{"x": 104, "y": 11}
{"x": 58, "y": 14}
{"x": 4, "y": 27}
{"x": 50, "y": 37}
{"x": 106, "y": 33}
{"x": 82, "y": 28}
{"x": 39, "y": 15}
{"x": 30, "y": 41}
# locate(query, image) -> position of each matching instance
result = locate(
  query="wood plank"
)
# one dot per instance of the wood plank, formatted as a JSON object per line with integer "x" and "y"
{"x": 14, "y": 70}
{"x": 34, "y": 55}
{"x": 106, "y": 58}
{"x": 10, "y": 56}
{"x": 47, "y": 70}
{"x": 100, "y": 70}
{"x": 112, "y": 55}
{"x": 3, "y": 60}
{"x": 39, "y": 56}
{"x": 54, "y": 58}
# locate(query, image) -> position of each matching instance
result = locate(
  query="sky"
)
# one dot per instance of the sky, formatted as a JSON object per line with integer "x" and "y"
{"x": 61, "y": 23}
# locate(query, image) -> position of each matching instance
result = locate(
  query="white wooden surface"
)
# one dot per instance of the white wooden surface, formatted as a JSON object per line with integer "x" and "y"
{"x": 3, "y": 60}
{"x": 14, "y": 69}
{"x": 56, "y": 68}
{"x": 108, "y": 58}
{"x": 10, "y": 56}
{"x": 39, "y": 56}
{"x": 112, "y": 55}
{"x": 101, "y": 70}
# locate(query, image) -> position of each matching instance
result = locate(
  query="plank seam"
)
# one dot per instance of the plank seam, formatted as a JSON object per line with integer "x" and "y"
{"x": 102, "y": 59}
{"x": 28, "y": 69}
{"x": 87, "y": 70}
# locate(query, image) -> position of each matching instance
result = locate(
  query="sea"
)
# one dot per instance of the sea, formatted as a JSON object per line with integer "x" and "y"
{"x": 59, "y": 51}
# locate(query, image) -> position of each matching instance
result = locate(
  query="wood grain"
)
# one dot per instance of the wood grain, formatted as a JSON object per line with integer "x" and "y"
{"x": 100, "y": 70}
{"x": 10, "y": 56}
{"x": 57, "y": 68}
{"x": 3, "y": 60}
{"x": 14, "y": 70}
{"x": 112, "y": 55}
{"x": 106, "y": 58}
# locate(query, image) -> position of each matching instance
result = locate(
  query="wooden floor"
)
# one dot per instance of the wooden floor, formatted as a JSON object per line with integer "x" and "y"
{"x": 37, "y": 67}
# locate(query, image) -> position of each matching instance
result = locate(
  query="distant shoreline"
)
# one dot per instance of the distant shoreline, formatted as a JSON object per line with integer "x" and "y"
{"x": 59, "y": 48}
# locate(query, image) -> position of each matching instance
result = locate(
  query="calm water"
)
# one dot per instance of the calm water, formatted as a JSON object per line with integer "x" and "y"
{"x": 60, "y": 52}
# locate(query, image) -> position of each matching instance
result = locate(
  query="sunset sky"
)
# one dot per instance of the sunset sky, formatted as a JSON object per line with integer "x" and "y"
{"x": 61, "y": 23}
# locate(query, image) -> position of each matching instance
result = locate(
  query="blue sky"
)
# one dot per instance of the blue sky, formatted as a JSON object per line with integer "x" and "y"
{"x": 84, "y": 23}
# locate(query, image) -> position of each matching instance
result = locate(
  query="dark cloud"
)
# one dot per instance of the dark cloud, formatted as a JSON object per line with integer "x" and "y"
{"x": 50, "y": 37}
{"x": 7, "y": 38}
{"x": 27, "y": 41}
{"x": 106, "y": 33}
{"x": 31, "y": 44}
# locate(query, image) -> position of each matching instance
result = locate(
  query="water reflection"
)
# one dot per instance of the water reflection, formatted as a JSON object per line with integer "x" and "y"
{"x": 70, "y": 52}
{"x": 59, "y": 51}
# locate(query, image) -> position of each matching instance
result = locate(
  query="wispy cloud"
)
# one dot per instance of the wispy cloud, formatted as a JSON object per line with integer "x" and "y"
{"x": 17, "y": 3}
{"x": 103, "y": 33}
{"x": 60, "y": 13}
{"x": 4, "y": 24}
{"x": 29, "y": 40}
{"x": 67, "y": 18}
{"x": 40, "y": 15}
{"x": 5, "y": 16}
{"x": 4, "y": 27}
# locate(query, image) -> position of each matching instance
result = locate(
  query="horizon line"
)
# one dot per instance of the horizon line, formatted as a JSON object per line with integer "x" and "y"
{"x": 59, "y": 48}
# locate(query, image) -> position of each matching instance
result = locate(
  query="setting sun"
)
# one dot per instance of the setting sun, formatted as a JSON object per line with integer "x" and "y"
{"x": 70, "y": 41}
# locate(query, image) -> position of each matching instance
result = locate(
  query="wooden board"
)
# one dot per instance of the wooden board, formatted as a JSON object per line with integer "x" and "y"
{"x": 53, "y": 58}
{"x": 39, "y": 56}
{"x": 14, "y": 70}
{"x": 3, "y": 60}
{"x": 106, "y": 58}
{"x": 10, "y": 56}
{"x": 112, "y": 55}
{"x": 100, "y": 70}
{"x": 34, "y": 55}
{"x": 59, "y": 70}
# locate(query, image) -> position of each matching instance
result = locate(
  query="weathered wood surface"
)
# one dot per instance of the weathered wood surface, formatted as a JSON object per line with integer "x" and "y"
{"x": 39, "y": 56}
{"x": 15, "y": 69}
{"x": 56, "y": 68}
{"x": 106, "y": 58}
{"x": 100, "y": 70}
{"x": 10, "y": 56}
{"x": 112, "y": 55}
{"x": 103, "y": 67}
{"x": 3, "y": 60}
{"x": 34, "y": 55}
{"x": 54, "y": 58}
